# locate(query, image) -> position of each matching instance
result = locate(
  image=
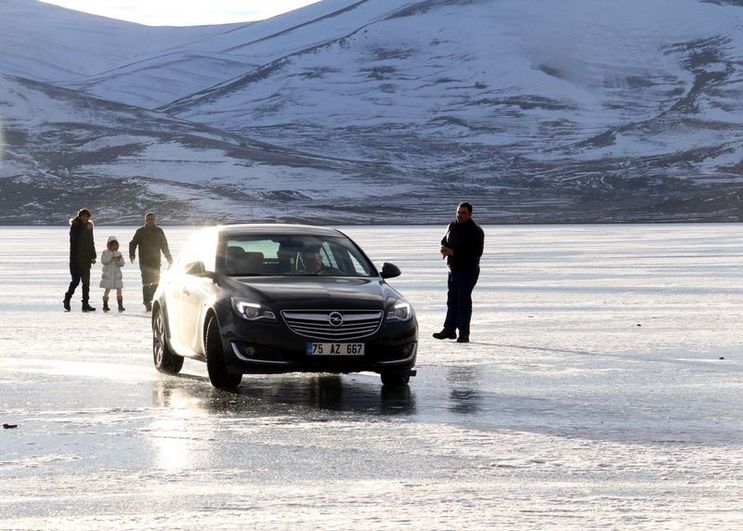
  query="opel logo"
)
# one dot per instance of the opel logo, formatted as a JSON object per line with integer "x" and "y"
{"x": 335, "y": 319}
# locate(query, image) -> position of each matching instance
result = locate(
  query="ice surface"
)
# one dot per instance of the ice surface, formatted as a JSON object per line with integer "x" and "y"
{"x": 603, "y": 389}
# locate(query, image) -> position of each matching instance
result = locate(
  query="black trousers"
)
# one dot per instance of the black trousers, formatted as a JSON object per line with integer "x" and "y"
{"x": 150, "y": 281}
{"x": 459, "y": 300}
{"x": 79, "y": 273}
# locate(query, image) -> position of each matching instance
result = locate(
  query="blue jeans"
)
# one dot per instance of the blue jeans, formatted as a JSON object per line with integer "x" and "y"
{"x": 459, "y": 300}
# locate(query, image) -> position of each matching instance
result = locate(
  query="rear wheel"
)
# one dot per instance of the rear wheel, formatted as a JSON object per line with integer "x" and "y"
{"x": 219, "y": 376}
{"x": 395, "y": 378}
{"x": 165, "y": 360}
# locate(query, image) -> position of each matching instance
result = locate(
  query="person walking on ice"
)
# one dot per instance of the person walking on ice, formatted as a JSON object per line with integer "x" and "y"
{"x": 151, "y": 241}
{"x": 82, "y": 257}
{"x": 111, "y": 276}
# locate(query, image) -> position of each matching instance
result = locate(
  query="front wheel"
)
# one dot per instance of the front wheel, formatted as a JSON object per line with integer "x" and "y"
{"x": 395, "y": 378}
{"x": 219, "y": 376}
{"x": 165, "y": 360}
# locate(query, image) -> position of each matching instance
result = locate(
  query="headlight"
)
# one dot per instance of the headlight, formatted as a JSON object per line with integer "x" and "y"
{"x": 252, "y": 311}
{"x": 401, "y": 311}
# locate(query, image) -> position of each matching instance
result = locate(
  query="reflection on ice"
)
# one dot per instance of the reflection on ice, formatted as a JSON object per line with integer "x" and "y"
{"x": 463, "y": 382}
{"x": 283, "y": 394}
{"x": 169, "y": 437}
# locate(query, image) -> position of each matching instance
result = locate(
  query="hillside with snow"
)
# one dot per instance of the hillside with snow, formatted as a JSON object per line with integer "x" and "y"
{"x": 361, "y": 111}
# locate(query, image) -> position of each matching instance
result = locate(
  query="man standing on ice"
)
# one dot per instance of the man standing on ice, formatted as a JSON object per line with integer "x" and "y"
{"x": 151, "y": 241}
{"x": 462, "y": 247}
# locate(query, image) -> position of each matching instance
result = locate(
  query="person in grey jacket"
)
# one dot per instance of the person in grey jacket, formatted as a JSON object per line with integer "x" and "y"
{"x": 151, "y": 241}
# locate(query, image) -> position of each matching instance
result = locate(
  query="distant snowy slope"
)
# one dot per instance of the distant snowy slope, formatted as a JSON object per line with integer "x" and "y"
{"x": 122, "y": 160}
{"x": 48, "y": 43}
{"x": 180, "y": 71}
{"x": 593, "y": 79}
{"x": 537, "y": 110}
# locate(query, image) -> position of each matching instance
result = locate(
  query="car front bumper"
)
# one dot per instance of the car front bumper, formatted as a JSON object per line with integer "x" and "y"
{"x": 271, "y": 348}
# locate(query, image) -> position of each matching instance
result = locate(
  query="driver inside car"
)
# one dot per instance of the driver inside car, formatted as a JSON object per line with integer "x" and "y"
{"x": 310, "y": 262}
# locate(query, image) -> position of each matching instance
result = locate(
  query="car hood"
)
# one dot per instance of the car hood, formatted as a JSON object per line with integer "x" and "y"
{"x": 299, "y": 292}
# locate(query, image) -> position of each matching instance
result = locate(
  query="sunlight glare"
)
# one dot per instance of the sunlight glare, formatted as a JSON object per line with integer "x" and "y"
{"x": 169, "y": 440}
{"x": 170, "y": 435}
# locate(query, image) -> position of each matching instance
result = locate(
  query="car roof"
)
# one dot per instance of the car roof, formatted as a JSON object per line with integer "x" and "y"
{"x": 277, "y": 228}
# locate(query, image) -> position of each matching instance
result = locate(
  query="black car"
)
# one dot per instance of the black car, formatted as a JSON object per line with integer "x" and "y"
{"x": 281, "y": 298}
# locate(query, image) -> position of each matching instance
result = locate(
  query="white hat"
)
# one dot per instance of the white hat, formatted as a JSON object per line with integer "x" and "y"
{"x": 112, "y": 239}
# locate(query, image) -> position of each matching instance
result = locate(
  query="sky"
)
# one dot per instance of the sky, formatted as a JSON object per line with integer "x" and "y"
{"x": 180, "y": 13}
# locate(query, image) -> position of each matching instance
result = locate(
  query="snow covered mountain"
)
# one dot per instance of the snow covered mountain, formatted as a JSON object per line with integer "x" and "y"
{"x": 356, "y": 111}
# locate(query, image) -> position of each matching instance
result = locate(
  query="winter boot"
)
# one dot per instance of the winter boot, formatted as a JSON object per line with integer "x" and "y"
{"x": 105, "y": 304}
{"x": 120, "y": 300}
{"x": 87, "y": 307}
{"x": 445, "y": 334}
{"x": 66, "y": 303}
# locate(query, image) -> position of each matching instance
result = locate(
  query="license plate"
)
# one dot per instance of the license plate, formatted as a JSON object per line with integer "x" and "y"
{"x": 335, "y": 349}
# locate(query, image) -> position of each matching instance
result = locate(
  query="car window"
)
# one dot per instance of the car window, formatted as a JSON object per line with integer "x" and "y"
{"x": 276, "y": 254}
{"x": 200, "y": 247}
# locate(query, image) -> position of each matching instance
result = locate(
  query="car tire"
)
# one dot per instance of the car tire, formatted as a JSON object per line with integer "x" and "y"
{"x": 395, "y": 378}
{"x": 164, "y": 358}
{"x": 219, "y": 376}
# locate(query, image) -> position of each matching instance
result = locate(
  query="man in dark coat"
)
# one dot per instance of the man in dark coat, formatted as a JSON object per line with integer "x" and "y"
{"x": 462, "y": 246}
{"x": 82, "y": 256}
{"x": 151, "y": 241}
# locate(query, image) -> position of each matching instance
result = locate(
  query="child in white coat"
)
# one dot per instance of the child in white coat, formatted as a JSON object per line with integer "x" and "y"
{"x": 111, "y": 276}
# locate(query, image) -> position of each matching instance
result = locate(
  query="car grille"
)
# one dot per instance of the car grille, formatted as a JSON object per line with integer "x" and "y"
{"x": 324, "y": 324}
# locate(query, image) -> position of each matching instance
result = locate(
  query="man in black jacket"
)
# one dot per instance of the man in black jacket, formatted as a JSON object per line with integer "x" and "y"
{"x": 151, "y": 241}
{"x": 82, "y": 256}
{"x": 462, "y": 247}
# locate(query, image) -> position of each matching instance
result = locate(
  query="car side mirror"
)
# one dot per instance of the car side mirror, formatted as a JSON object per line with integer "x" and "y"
{"x": 198, "y": 269}
{"x": 390, "y": 270}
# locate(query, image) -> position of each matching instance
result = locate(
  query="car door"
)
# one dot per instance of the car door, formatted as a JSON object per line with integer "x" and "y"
{"x": 171, "y": 288}
{"x": 197, "y": 292}
{"x": 196, "y": 296}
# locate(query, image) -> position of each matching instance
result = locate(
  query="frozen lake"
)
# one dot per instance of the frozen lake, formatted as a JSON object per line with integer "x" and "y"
{"x": 603, "y": 389}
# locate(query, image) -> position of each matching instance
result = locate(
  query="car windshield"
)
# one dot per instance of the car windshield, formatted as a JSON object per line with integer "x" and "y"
{"x": 295, "y": 255}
